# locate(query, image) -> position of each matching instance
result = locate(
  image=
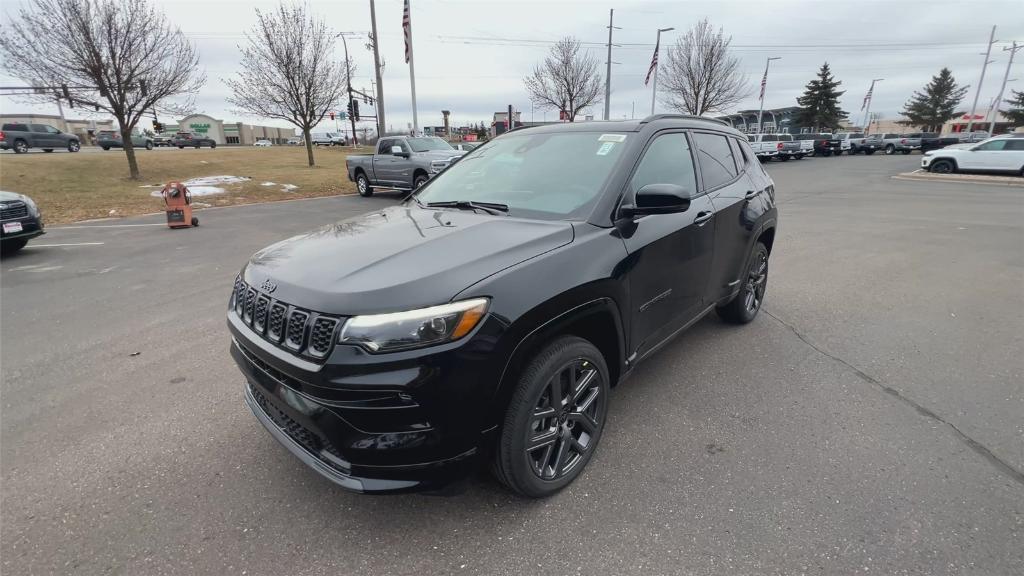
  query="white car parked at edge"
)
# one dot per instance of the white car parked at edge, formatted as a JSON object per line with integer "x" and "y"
{"x": 263, "y": 143}
{"x": 999, "y": 154}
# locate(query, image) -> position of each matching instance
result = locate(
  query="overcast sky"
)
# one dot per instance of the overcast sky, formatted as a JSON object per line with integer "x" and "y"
{"x": 471, "y": 55}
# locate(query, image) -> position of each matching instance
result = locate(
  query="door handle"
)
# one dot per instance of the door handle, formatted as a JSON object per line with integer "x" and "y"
{"x": 702, "y": 218}
{"x": 751, "y": 194}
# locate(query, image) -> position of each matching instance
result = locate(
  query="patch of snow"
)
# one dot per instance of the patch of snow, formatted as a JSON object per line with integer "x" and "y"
{"x": 211, "y": 180}
{"x": 269, "y": 184}
{"x": 201, "y": 205}
{"x": 195, "y": 190}
{"x": 288, "y": 187}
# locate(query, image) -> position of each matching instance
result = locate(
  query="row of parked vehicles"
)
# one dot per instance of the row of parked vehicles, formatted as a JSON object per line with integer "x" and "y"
{"x": 785, "y": 147}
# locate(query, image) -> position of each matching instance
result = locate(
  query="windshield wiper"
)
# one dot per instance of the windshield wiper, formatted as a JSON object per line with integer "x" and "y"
{"x": 489, "y": 207}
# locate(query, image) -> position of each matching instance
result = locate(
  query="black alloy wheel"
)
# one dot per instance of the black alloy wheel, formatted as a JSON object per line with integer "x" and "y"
{"x": 942, "y": 167}
{"x": 745, "y": 305}
{"x": 555, "y": 418}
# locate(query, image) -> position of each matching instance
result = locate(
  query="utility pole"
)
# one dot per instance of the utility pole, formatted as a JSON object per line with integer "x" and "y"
{"x": 348, "y": 83}
{"x": 764, "y": 86}
{"x": 1013, "y": 50}
{"x": 377, "y": 70}
{"x": 977, "y": 92}
{"x": 657, "y": 48}
{"x": 608, "y": 73}
{"x": 867, "y": 105}
{"x": 407, "y": 25}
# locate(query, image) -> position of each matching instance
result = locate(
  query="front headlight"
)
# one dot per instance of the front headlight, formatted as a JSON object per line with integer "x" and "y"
{"x": 415, "y": 328}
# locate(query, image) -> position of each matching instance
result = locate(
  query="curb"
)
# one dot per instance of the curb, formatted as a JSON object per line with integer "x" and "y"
{"x": 919, "y": 176}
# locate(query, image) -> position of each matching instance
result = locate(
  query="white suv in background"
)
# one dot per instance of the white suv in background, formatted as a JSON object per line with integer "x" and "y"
{"x": 999, "y": 154}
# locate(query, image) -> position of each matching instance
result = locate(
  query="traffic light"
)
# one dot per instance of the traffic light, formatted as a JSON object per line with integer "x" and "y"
{"x": 332, "y": 115}
{"x": 355, "y": 109}
{"x": 142, "y": 88}
{"x": 158, "y": 127}
{"x": 349, "y": 108}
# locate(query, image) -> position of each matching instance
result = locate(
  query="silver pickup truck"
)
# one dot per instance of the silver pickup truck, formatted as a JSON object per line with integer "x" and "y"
{"x": 400, "y": 163}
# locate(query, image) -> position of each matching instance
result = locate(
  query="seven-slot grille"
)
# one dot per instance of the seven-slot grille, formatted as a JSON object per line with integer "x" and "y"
{"x": 13, "y": 211}
{"x": 299, "y": 331}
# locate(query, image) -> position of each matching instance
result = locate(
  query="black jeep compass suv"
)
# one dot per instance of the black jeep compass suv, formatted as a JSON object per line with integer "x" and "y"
{"x": 488, "y": 314}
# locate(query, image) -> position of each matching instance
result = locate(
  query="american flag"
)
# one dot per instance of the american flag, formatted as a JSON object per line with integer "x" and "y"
{"x": 764, "y": 82}
{"x": 867, "y": 97}
{"x": 654, "y": 63}
{"x": 407, "y": 31}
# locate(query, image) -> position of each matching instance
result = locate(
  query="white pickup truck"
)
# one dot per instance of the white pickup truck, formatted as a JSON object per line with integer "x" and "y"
{"x": 781, "y": 146}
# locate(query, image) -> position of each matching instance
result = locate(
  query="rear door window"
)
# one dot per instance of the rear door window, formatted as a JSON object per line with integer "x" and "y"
{"x": 1015, "y": 144}
{"x": 38, "y": 127}
{"x": 715, "y": 156}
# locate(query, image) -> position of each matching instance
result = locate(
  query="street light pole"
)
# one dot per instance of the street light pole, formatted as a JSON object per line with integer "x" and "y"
{"x": 867, "y": 111}
{"x": 1013, "y": 50}
{"x": 608, "y": 73}
{"x": 657, "y": 49}
{"x": 348, "y": 82}
{"x": 377, "y": 70}
{"x": 974, "y": 106}
{"x": 764, "y": 87}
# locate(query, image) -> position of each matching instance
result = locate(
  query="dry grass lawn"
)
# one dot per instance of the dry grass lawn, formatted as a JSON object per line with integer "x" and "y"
{"x": 89, "y": 184}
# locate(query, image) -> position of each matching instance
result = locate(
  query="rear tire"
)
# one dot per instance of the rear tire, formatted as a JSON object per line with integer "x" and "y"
{"x": 905, "y": 152}
{"x": 890, "y": 150}
{"x": 869, "y": 152}
{"x": 784, "y": 158}
{"x": 745, "y": 305}
{"x": 195, "y": 221}
{"x": 799, "y": 156}
{"x": 105, "y": 147}
{"x": 554, "y": 420}
{"x": 74, "y": 146}
{"x": 20, "y": 147}
{"x": 149, "y": 145}
{"x": 213, "y": 145}
{"x": 363, "y": 185}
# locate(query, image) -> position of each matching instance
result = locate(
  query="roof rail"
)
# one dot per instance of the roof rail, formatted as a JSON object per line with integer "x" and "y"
{"x": 654, "y": 117}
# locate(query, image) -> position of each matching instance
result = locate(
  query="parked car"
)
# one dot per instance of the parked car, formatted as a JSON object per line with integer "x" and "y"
{"x": 296, "y": 141}
{"x": 193, "y": 140}
{"x": 932, "y": 141}
{"x": 903, "y": 143}
{"x": 160, "y": 140}
{"x": 327, "y": 139}
{"x": 823, "y": 144}
{"x": 108, "y": 139}
{"x": 20, "y": 221}
{"x": 855, "y": 143}
{"x": 263, "y": 143}
{"x": 20, "y": 137}
{"x": 870, "y": 144}
{"x": 466, "y": 146}
{"x": 765, "y": 146}
{"x": 400, "y": 163}
{"x": 489, "y": 314}
{"x": 999, "y": 154}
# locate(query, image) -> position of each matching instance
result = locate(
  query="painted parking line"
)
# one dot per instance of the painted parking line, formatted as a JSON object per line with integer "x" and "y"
{"x": 107, "y": 226}
{"x": 63, "y": 245}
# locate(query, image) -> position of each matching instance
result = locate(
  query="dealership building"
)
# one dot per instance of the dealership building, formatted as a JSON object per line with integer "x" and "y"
{"x": 229, "y": 132}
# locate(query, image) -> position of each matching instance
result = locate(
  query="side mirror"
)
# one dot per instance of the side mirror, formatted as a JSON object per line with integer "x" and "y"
{"x": 397, "y": 151}
{"x": 657, "y": 199}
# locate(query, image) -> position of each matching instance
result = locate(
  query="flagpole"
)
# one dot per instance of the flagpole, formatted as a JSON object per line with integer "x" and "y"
{"x": 867, "y": 106}
{"x": 412, "y": 67}
{"x": 764, "y": 87}
{"x": 657, "y": 48}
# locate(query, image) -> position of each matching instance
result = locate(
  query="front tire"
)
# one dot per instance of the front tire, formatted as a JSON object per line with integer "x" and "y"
{"x": 784, "y": 158}
{"x": 149, "y": 145}
{"x": 363, "y": 185}
{"x": 744, "y": 306}
{"x": 419, "y": 181}
{"x": 890, "y": 150}
{"x": 12, "y": 246}
{"x": 942, "y": 167}
{"x": 555, "y": 418}
{"x": 869, "y": 152}
{"x": 213, "y": 145}
{"x": 905, "y": 152}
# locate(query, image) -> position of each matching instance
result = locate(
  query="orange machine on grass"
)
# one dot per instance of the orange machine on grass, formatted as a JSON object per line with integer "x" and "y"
{"x": 179, "y": 205}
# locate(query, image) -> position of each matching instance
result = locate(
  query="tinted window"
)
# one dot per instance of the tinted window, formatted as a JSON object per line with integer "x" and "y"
{"x": 769, "y": 138}
{"x": 991, "y": 145}
{"x": 1015, "y": 144}
{"x": 716, "y": 161}
{"x": 38, "y": 127}
{"x": 741, "y": 153}
{"x": 785, "y": 138}
{"x": 666, "y": 161}
{"x": 890, "y": 136}
{"x": 384, "y": 147}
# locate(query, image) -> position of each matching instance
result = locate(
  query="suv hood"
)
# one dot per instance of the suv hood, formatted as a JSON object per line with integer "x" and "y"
{"x": 401, "y": 258}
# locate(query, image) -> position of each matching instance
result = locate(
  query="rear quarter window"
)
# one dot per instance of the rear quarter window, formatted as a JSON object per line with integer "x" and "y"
{"x": 16, "y": 127}
{"x": 717, "y": 164}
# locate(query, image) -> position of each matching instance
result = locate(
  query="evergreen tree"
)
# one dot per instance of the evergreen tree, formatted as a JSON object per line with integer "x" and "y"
{"x": 820, "y": 102}
{"x": 931, "y": 108}
{"x": 1016, "y": 111}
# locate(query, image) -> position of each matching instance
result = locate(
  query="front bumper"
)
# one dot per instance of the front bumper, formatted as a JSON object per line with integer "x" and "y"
{"x": 926, "y": 161}
{"x": 371, "y": 423}
{"x": 30, "y": 228}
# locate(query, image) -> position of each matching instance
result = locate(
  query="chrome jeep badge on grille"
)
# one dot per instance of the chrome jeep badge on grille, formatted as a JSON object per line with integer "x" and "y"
{"x": 268, "y": 286}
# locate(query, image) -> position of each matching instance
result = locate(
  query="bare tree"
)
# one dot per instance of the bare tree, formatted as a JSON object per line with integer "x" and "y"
{"x": 119, "y": 56}
{"x": 701, "y": 75}
{"x": 289, "y": 71}
{"x": 567, "y": 79}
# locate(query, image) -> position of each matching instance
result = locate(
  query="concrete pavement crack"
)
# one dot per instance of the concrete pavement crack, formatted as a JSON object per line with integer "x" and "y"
{"x": 983, "y": 451}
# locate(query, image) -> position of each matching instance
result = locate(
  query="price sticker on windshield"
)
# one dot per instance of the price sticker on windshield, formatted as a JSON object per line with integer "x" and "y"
{"x": 612, "y": 138}
{"x": 605, "y": 148}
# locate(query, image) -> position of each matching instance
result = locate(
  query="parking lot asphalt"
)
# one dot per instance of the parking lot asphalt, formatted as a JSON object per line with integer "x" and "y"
{"x": 870, "y": 420}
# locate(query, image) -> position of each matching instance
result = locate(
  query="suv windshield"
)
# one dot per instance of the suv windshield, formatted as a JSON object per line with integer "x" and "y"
{"x": 551, "y": 176}
{"x": 429, "y": 143}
